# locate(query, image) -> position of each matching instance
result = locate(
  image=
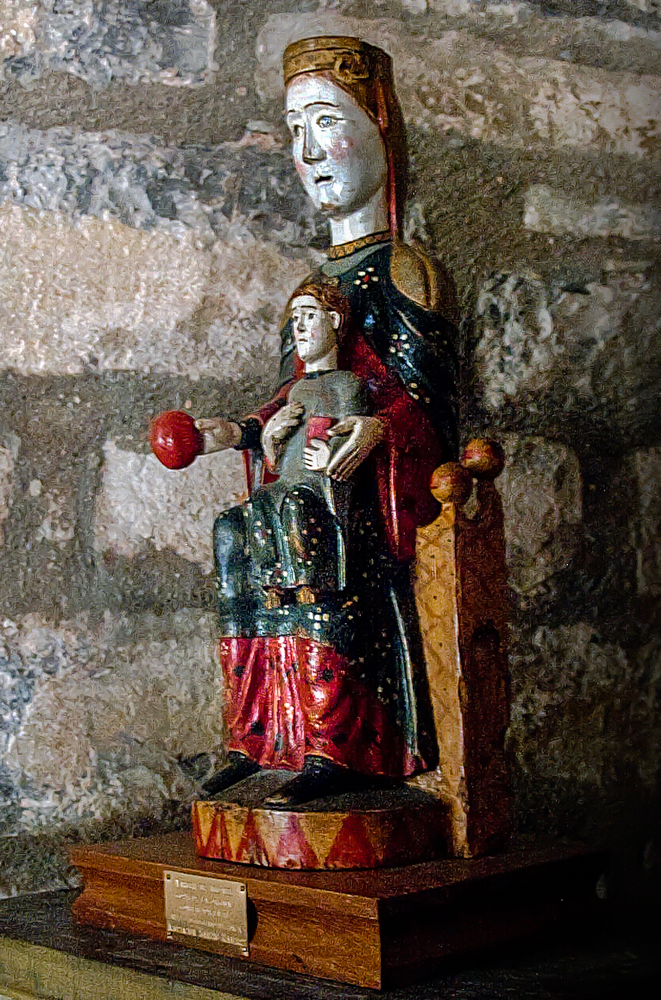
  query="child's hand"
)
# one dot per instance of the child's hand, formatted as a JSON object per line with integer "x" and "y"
{"x": 316, "y": 455}
{"x": 278, "y": 429}
{"x": 218, "y": 433}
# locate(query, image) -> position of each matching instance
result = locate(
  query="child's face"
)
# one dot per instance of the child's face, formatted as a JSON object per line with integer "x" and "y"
{"x": 313, "y": 327}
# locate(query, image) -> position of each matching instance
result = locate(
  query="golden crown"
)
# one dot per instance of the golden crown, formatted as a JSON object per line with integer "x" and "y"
{"x": 349, "y": 60}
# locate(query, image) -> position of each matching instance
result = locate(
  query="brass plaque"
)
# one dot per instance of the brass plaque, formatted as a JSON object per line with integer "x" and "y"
{"x": 213, "y": 911}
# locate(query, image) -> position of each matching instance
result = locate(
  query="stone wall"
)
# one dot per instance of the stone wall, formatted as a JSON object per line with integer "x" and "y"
{"x": 151, "y": 229}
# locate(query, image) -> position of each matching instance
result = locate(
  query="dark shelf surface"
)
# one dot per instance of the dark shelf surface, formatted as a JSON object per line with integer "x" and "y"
{"x": 604, "y": 964}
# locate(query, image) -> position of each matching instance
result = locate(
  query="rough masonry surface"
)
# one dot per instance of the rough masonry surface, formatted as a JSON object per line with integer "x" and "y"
{"x": 152, "y": 227}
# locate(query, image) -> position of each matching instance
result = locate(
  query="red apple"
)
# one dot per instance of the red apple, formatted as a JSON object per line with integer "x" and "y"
{"x": 175, "y": 440}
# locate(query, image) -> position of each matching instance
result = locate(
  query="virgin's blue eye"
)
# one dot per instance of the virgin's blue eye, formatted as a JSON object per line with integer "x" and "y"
{"x": 325, "y": 121}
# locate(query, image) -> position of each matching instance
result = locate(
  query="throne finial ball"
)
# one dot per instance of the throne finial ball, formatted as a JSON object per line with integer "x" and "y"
{"x": 175, "y": 440}
{"x": 483, "y": 458}
{"x": 450, "y": 483}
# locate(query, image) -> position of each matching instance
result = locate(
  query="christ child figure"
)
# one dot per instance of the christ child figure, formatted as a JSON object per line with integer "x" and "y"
{"x": 297, "y": 527}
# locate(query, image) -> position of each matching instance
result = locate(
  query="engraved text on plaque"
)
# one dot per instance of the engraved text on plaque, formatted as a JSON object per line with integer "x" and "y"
{"x": 212, "y": 910}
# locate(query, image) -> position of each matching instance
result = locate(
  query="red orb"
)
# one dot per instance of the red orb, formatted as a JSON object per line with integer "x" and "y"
{"x": 175, "y": 440}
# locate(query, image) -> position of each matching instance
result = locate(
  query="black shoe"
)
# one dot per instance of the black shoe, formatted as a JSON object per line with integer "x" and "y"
{"x": 320, "y": 779}
{"x": 237, "y": 768}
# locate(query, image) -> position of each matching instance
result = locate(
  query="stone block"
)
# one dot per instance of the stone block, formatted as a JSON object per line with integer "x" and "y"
{"x": 250, "y": 282}
{"x": 71, "y": 292}
{"x": 550, "y": 211}
{"x": 415, "y": 6}
{"x": 590, "y": 350}
{"x": 17, "y": 24}
{"x": 519, "y": 345}
{"x": 97, "y": 715}
{"x": 246, "y": 186}
{"x": 129, "y": 271}
{"x": 107, "y": 175}
{"x": 457, "y": 79}
{"x": 574, "y": 106}
{"x": 58, "y": 525}
{"x": 647, "y": 531}
{"x": 516, "y": 12}
{"x": 541, "y": 491}
{"x": 7, "y": 458}
{"x": 141, "y": 503}
{"x": 155, "y": 42}
{"x": 620, "y": 31}
{"x": 559, "y": 32}
{"x": 583, "y": 728}
{"x": 453, "y": 8}
{"x": 646, "y": 6}
{"x": 75, "y": 294}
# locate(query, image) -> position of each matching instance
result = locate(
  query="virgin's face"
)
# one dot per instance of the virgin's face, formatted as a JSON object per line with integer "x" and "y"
{"x": 337, "y": 148}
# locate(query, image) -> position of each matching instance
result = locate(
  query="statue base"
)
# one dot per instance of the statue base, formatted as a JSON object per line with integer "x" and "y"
{"x": 387, "y": 827}
{"x": 371, "y": 928}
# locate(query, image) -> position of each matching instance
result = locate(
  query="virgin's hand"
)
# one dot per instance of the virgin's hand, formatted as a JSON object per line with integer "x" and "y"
{"x": 364, "y": 434}
{"x": 218, "y": 433}
{"x": 279, "y": 428}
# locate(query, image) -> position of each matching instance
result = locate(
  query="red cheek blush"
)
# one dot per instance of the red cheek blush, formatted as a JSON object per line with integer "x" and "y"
{"x": 340, "y": 149}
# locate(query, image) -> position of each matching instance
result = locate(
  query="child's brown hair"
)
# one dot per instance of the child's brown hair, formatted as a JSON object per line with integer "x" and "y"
{"x": 327, "y": 296}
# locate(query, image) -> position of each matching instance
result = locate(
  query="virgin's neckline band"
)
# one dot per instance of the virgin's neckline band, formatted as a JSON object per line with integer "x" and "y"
{"x": 332, "y": 269}
{"x": 346, "y": 249}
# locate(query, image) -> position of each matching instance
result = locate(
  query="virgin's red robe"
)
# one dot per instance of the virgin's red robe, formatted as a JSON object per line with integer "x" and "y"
{"x": 291, "y": 693}
{"x": 407, "y": 456}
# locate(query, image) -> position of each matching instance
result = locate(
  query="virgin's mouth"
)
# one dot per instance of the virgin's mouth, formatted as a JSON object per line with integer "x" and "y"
{"x": 323, "y": 179}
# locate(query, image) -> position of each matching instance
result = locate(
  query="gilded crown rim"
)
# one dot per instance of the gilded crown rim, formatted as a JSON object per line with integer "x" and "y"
{"x": 322, "y": 52}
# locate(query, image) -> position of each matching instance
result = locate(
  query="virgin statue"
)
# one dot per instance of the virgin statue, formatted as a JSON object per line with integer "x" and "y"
{"x": 327, "y": 679}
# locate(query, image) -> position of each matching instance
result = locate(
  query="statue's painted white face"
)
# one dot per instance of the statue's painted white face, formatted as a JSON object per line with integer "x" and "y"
{"x": 313, "y": 328}
{"x": 337, "y": 148}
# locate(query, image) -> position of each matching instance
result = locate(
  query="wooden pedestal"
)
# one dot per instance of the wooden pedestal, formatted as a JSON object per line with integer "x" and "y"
{"x": 378, "y": 829}
{"x": 371, "y": 928}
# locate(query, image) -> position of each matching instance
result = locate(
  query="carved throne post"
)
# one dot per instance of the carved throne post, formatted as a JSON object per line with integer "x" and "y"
{"x": 462, "y": 598}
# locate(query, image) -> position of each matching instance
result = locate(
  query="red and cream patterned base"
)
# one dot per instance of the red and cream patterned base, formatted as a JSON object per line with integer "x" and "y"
{"x": 274, "y": 838}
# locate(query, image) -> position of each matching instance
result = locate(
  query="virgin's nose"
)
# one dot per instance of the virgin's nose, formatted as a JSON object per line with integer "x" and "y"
{"x": 312, "y": 151}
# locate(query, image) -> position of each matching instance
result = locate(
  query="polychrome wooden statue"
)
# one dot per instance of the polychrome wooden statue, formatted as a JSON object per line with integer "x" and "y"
{"x": 320, "y": 638}
{"x": 362, "y": 592}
